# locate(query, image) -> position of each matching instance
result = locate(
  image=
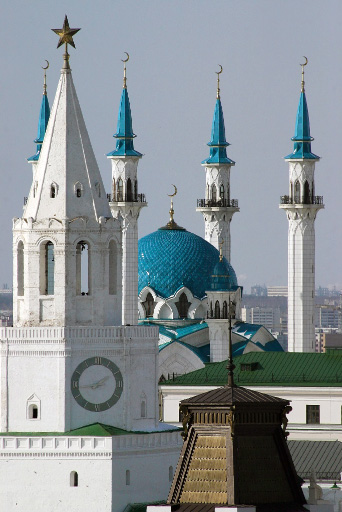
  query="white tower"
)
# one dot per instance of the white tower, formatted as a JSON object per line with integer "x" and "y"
{"x": 126, "y": 204}
{"x": 301, "y": 207}
{"x": 76, "y": 367}
{"x": 223, "y": 296}
{"x": 218, "y": 208}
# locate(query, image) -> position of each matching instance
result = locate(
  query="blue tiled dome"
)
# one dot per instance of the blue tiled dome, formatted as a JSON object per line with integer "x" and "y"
{"x": 172, "y": 258}
{"x": 221, "y": 276}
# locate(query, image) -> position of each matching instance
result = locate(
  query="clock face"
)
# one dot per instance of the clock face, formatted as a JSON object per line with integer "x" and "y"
{"x": 96, "y": 384}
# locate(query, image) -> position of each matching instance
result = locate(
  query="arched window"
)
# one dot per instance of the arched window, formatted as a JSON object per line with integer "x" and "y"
{"x": 47, "y": 269}
{"x": 222, "y": 192}
{"x": 149, "y": 305}
{"x": 213, "y": 193}
{"x": 128, "y": 477}
{"x": 82, "y": 268}
{"x": 33, "y": 412}
{"x": 207, "y": 198}
{"x": 307, "y": 198}
{"x": 112, "y": 267}
{"x": 170, "y": 473}
{"x": 217, "y": 309}
{"x": 224, "y": 310}
{"x": 78, "y": 188}
{"x": 136, "y": 190}
{"x": 183, "y": 306}
{"x": 120, "y": 190}
{"x": 129, "y": 195}
{"x": 291, "y": 192}
{"x": 143, "y": 408}
{"x": 53, "y": 191}
{"x": 297, "y": 192}
{"x": 20, "y": 268}
{"x": 73, "y": 479}
{"x": 114, "y": 191}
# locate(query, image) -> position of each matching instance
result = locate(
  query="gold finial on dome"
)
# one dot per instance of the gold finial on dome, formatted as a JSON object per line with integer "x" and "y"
{"x": 218, "y": 82}
{"x": 303, "y": 83}
{"x": 172, "y": 224}
{"x": 66, "y": 37}
{"x": 124, "y": 78}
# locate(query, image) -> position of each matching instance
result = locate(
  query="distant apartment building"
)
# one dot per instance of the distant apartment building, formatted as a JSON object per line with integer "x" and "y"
{"x": 258, "y": 290}
{"x": 327, "y": 317}
{"x": 269, "y": 317}
{"x": 277, "y": 291}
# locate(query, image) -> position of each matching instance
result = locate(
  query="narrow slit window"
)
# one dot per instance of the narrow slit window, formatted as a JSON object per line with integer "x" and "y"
{"x": 73, "y": 479}
{"x": 83, "y": 268}
{"x": 20, "y": 268}
{"x": 53, "y": 191}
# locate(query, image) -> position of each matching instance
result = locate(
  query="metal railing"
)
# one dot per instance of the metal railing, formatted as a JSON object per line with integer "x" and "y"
{"x": 138, "y": 198}
{"x": 208, "y": 203}
{"x": 291, "y": 200}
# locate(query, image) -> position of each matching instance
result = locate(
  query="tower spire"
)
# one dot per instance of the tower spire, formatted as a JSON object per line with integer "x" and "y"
{"x": 124, "y": 131}
{"x": 44, "y": 115}
{"x": 303, "y": 83}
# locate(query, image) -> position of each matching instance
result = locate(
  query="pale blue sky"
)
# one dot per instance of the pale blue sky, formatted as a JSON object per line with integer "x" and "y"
{"x": 175, "y": 48}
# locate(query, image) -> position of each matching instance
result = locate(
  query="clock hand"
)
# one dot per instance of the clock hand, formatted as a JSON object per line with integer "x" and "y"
{"x": 100, "y": 382}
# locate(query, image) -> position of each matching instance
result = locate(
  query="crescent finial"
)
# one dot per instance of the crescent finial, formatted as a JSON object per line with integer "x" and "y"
{"x": 218, "y": 82}
{"x": 175, "y": 192}
{"x": 47, "y": 65}
{"x": 125, "y": 60}
{"x": 45, "y": 68}
{"x": 303, "y": 83}
{"x": 306, "y": 61}
{"x": 219, "y": 72}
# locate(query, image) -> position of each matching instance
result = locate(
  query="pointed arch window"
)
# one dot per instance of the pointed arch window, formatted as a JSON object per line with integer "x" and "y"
{"x": 129, "y": 195}
{"x": 217, "y": 309}
{"x": 213, "y": 193}
{"x": 112, "y": 268}
{"x": 120, "y": 190}
{"x": 221, "y": 192}
{"x": 83, "y": 268}
{"x": 297, "y": 192}
{"x": 307, "y": 193}
{"x": 183, "y": 306}
{"x": 53, "y": 191}
{"x": 149, "y": 305}
{"x": 225, "y": 310}
{"x": 78, "y": 188}
{"x": 20, "y": 268}
{"x": 136, "y": 190}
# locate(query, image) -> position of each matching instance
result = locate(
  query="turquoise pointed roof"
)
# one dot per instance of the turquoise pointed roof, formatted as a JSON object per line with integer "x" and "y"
{"x": 218, "y": 144}
{"x": 302, "y": 138}
{"x": 124, "y": 133}
{"x": 44, "y": 115}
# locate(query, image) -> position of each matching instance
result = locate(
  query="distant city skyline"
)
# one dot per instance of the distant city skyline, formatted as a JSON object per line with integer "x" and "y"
{"x": 175, "y": 49}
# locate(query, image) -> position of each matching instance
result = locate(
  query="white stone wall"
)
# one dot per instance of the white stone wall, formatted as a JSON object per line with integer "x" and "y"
{"x": 39, "y": 363}
{"x": 328, "y": 398}
{"x": 37, "y": 471}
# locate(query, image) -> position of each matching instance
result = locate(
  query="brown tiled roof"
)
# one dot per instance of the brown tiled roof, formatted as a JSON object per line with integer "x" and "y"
{"x": 232, "y": 395}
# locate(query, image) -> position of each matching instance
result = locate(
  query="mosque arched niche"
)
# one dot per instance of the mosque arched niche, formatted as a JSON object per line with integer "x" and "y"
{"x": 183, "y": 306}
{"x": 307, "y": 198}
{"x": 297, "y": 192}
{"x": 129, "y": 193}
{"x": 148, "y": 305}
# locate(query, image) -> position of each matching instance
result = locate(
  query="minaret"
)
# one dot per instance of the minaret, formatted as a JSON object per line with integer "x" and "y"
{"x": 126, "y": 204}
{"x": 301, "y": 207}
{"x": 44, "y": 115}
{"x": 217, "y": 207}
{"x": 67, "y": 246}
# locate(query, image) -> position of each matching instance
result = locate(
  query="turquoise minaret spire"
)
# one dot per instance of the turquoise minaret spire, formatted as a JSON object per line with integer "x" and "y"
{"x": 44, "y": 115}
{"x": 218, "y": 144}
{"x": 302, "y": 138}
{"x": 124, "y": 133}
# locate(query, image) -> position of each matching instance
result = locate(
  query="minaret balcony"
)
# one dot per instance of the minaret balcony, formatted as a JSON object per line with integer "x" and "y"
{"x": 138, "y": 198}
{"x": 209, "y": 203}
{"x": 315, "y": 200}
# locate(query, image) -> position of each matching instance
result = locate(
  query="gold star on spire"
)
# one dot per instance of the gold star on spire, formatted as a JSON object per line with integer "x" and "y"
{"x": 65, "y": 34}
{"x": 66, "y": 37}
